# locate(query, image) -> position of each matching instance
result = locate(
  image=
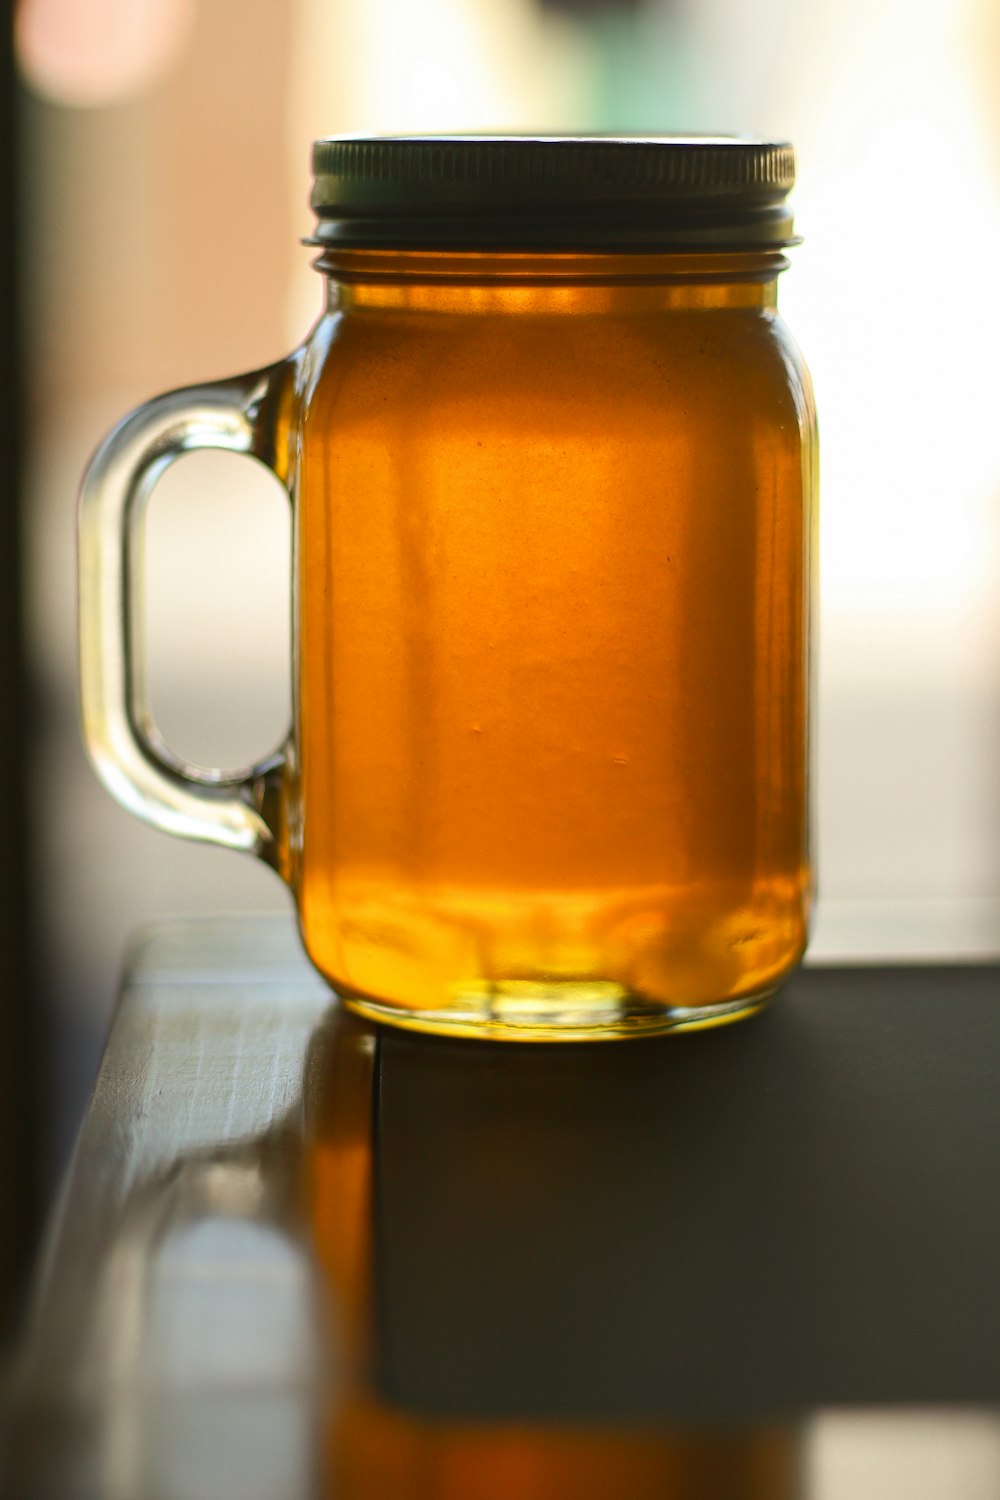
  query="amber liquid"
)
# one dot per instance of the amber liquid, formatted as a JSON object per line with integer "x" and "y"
{"x": 552, "y": 554}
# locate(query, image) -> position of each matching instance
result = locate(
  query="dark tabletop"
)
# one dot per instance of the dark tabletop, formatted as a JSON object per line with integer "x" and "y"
{"x": 793, "y": 1212}
{"x": 747, "y": 1226}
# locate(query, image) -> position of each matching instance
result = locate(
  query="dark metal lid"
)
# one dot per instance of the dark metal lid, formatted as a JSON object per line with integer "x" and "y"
{"x": 475, "y": 192}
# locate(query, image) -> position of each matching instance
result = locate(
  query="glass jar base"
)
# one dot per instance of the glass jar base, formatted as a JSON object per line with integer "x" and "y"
{"x": 526, "y": 1011}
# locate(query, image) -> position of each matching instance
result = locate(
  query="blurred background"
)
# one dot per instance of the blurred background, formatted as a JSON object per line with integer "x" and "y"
{"x": 162, "y": 157}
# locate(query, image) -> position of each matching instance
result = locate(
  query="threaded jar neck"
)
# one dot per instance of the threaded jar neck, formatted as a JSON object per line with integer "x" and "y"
{"x": 552, "y": 282}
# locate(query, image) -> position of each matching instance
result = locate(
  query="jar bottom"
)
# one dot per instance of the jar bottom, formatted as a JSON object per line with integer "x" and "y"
{"x": 563, "y": 1011}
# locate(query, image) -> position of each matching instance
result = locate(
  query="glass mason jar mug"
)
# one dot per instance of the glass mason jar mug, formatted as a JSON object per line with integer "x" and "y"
{"x": 552, "y": 461}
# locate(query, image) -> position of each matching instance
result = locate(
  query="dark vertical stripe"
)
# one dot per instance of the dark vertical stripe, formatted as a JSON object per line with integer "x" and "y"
{"x": 19, "y": 1083}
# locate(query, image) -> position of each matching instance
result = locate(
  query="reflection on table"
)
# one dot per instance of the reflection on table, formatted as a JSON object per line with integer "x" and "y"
{"x": 301, "y": 1256}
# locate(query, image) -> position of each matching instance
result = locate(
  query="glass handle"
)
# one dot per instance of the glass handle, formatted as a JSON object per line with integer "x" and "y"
{"x": 238, "y": 809}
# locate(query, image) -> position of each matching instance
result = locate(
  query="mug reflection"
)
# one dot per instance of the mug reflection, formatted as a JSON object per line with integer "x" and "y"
{"x": 385, "y": 1430}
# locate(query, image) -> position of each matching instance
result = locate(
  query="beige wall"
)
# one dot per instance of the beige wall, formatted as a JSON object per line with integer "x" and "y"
{"x": 162, "y": 244}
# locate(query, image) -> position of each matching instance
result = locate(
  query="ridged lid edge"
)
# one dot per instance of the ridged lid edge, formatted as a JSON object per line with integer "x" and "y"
{"x": 547, "y": 191}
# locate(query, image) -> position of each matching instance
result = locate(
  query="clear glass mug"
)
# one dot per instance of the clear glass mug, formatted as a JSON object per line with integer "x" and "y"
{"x": 552, "y": 461}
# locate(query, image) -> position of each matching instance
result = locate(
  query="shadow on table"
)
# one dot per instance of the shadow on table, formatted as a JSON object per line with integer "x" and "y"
{"x": 370, "y": 1166}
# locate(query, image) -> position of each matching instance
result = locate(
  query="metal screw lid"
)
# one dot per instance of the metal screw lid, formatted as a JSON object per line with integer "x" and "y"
{"x": 477, "y": 192}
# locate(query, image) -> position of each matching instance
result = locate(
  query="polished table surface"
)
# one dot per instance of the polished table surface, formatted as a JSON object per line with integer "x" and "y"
{"x": 290, "y": 1241}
